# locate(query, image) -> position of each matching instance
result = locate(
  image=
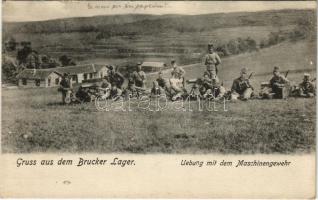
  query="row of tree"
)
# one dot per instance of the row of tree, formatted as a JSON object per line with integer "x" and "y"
{"x": 30, "y": 58}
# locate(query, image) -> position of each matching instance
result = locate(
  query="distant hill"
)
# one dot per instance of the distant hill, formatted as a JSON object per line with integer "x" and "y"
{"x": 77, "y": 24}
{"x": 153, "y": 24}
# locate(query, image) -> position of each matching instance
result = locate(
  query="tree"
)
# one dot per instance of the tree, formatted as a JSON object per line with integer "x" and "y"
{"x": 11, "y": 44}
{"x": 251, "y": 43}
{"x": 23, "y": 54}
{"x": 66, "y": 61}
{"x": 232, "y": 46}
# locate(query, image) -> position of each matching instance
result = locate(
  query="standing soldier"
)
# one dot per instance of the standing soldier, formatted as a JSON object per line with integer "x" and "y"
{"x": 65, "y": 88}
{"x": 114, "y": 77}
{"x": 241, "y": 87}
{"x": 139, "y": 77}
{"x": 211, "y": 61}
{"x": 307, "y": 87}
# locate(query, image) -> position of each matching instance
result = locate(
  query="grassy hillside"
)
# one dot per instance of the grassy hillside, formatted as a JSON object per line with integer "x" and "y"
{"x": 149, "y": 36}
{"x": 35, "y": 121}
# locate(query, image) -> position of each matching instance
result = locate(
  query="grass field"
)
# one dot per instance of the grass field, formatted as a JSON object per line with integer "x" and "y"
{"x": 34, "y": 121}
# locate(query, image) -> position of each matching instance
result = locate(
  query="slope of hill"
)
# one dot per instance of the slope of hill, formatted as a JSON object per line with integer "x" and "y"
{"x": 153, "y": 24}
{"x": 149, "y": 36}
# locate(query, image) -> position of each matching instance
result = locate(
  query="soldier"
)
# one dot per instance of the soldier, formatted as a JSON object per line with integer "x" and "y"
{"x": 139, "y": 76}
{"x": 307, "y": 87}
{"x": 177, "y": 89}
{"x": 65, "y": 88}
{"x": 104, "y": 88}
{"x": 131, "y": 89}
{"x": 278, "y": 86}
{"x": 159, "y": 85}
{"x": 211, "y": 87}
{"x": 177, "y": 72}
{"x": 115, "y": 92}
{"x": 241, "y": 87}
{"x": 211, "y": 61}
{"x": 114, "y": 77}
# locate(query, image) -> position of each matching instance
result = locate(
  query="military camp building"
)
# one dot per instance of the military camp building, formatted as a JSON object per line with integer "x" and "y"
{"x": 52, "y": 77}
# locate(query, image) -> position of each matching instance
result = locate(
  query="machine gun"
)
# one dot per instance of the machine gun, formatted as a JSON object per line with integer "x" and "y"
{"x": 196, "y": 83}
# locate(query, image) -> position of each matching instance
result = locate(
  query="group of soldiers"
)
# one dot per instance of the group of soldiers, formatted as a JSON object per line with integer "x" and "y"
{"x": 208, "y": 86}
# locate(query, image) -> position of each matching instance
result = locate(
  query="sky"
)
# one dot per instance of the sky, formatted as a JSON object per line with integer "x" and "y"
{"x": 17, "y": 11}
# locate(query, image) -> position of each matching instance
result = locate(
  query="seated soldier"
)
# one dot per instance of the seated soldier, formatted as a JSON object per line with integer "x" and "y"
{"x": 104, "y": 88}
{"x": 159, "y": 86}
{"x": 177, "y": 89}
{"x": 115, "y": 93}
{"x": 307, "y": 87}
{"x": 139, "y": 77}
{"x": 114, "y": 77}
{"x": 241, "y": 87}
{"x": 278, "y": 86}
{"x": 131, "y": 89}
{"x": 176, "y": 70}
{"x": 210, "y": 86}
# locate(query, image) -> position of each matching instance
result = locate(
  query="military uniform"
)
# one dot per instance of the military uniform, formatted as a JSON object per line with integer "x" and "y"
{"x": 210, "y": 86}
{"x": 176, "y": 88}
{"x": 65, "y": 88}
{"x": 177, "y": 72}
{"x": 159, "y": 86}
{"x": 241, "y": 87}
{"x": 115, "y": 92}
{"x": 105, "y": 88}
{"x": 115, "y": 78}
{"x": 211, "y": 61}
{"x": 278, "y": 86}
{"x": 307, "y": 88}
{"x": 139, "y": 78}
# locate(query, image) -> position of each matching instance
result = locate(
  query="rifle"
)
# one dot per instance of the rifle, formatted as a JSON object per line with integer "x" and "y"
{"x": 286, "y": 74}
{"x": 249, "y": 77}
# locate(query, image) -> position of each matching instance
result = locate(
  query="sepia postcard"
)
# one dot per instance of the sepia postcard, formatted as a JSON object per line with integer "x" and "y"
{"x": 158, "y": 99}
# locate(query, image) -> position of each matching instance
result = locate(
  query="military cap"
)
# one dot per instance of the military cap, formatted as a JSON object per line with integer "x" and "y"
{"x": 244, "y": 70}
{"x": 276, "y": 69}
{"x": 139, "y": 63}
{"x": 306, "y": 75}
